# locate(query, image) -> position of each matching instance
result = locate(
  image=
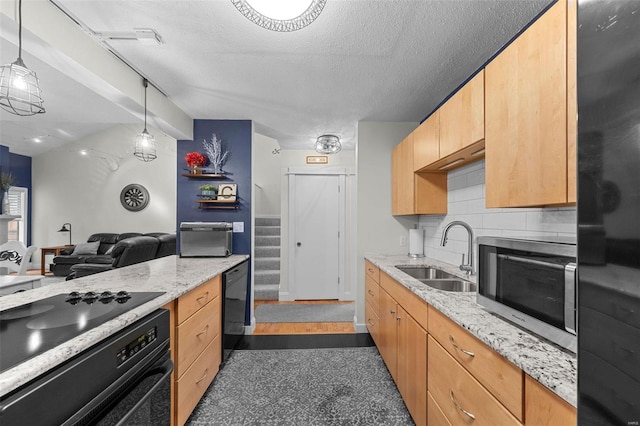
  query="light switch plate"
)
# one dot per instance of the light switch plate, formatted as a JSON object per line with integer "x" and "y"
{"x": 238, "y": 226}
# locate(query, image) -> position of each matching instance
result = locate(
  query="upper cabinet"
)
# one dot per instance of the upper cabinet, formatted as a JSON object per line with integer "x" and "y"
{"x": 426, "y": 142}
{"x": 527, "y": 97}
{"x": 415, "y": 193}
{"x": 462, "y": 117}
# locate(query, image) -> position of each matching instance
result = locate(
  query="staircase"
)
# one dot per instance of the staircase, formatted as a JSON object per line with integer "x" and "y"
{"x": 267, "y": 258}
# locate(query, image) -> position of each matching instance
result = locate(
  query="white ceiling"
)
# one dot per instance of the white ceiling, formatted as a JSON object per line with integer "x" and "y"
{"x": 385, "y": 60}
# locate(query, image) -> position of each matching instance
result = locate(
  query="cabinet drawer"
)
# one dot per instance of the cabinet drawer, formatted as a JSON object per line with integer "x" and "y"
{"x": 373, "y": 322}
{"x": 191, "y": 386}
{"x": 372, "y": 271}
{"x": 195, "y": 300}
{"x": 455, "y": 390}
{"x": 435, "y": 416}
{"x": 196, "y": 333}
{"x": 372, "y": 293}
{"x": 411, "y": 303}
{"x": 503, "y": 379}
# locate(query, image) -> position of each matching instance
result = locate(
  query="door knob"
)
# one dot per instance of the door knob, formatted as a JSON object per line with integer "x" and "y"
{"x": 298, "y": 243}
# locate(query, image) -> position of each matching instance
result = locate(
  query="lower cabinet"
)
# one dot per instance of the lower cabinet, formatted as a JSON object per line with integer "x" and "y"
{"x": 196, "y": 346}
{"x": 447, "y": 376}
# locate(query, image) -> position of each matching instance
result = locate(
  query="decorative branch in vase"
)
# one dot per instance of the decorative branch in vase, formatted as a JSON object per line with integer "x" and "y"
{"x": 6, "y": 182}
{"x": 216, "y": 153}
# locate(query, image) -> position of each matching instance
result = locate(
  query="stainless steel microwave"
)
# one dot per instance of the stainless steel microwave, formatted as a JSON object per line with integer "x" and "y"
{"x": 531, "y": 283}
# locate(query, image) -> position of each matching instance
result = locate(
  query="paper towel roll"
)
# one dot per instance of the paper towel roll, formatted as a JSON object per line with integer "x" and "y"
{"x": 416, "y": 242}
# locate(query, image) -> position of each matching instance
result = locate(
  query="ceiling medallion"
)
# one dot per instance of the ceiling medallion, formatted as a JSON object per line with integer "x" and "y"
{"x": 328, "y": 144}
{"x": 279, "y": 20}
{"x": 134, "y": 197}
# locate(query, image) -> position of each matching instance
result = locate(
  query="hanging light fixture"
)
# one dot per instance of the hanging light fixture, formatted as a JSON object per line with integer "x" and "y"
{"x": 19, "y": 86}
{"x": 282, "y": 15}
{"x": 328, "y": 144}
{"x": 145, "y": 142}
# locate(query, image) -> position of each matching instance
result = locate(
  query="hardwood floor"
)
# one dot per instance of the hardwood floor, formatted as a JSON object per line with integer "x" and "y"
{"x": 277, "y": 328}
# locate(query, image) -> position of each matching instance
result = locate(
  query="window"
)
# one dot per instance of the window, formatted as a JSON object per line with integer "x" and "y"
{"x": 17, "y": 229}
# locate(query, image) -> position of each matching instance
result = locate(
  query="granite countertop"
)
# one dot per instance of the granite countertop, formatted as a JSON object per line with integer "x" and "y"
{"x": 553, "y": 367}
{"x": 172, "y": 274}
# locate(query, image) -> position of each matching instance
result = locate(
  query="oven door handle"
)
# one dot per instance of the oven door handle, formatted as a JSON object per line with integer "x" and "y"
{"x": 166, "y": 368}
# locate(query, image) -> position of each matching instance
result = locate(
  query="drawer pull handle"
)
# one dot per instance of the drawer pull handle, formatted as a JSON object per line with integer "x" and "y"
{"x": 205, "y": 296}
{"x": 462, "y": 410}
{"x": 203, "y": 331}
{"x": 370, "y": 323}
{"x": 391, "y": 311}
{"x": 206, "y": 372}
{"x": 371, "y": 293}
{"x": 371, "y": 270}
{"x": 464, "y": 351}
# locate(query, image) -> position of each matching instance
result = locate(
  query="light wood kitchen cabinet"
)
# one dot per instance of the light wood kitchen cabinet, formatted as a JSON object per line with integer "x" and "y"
{"x": 544, "y": 408}
{"x": 572, "y": 100}
{"x": 462, "y": 117}
{"x": 435, "y": 415}
{"x": 411, "y": 367}
{"x": 426, "y": 142}
{"x": 526, "y": 104}
{"x": 389, "y": 333}
{"x": 459, "y": 395}
{"x": 503, "y": 379}
{"x": 197, "y": 349}
{"x": 415, "y": 193}
{"x": 372, "y": 304}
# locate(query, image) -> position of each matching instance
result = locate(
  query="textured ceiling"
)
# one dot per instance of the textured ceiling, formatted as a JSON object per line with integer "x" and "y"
{"x": 383, "y": 60}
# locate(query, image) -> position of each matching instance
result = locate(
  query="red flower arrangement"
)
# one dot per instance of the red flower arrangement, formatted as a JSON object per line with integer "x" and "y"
{"x": 195, "y": 159}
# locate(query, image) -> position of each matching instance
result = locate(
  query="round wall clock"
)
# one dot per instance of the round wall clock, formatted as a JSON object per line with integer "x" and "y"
{"x": 134, "y": 197}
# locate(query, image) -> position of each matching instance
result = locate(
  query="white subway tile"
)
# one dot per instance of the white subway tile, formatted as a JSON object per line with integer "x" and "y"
{"x": 475, "y": 177}
{"x": 505, "y": 220}
{"x": 458, "y": 207}
{"x": 455, "y": 182}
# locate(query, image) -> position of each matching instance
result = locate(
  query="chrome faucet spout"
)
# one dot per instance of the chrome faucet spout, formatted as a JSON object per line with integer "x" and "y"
{"x": 468, "y": 267}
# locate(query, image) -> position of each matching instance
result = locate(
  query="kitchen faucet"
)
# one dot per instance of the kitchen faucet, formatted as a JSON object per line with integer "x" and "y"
{"x": 468, "y": 267}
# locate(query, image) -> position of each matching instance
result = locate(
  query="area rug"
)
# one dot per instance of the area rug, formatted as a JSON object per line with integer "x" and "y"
{"x": 329, "y": 312}
{"x": 338, "y": 386}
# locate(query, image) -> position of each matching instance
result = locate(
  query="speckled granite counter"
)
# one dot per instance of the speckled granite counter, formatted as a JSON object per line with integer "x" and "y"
{"x": 173, "y": 275}
{"x": 553, "y": 367}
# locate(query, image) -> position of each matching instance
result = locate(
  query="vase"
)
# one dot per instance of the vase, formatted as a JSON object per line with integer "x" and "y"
{"x": 195, "y": 170}
{"x": 6, "y": 206}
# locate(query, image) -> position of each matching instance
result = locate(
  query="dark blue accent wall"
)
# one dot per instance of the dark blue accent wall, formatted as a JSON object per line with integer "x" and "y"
{"x": 236, "y": 136}
{"x": 20, "y": 167}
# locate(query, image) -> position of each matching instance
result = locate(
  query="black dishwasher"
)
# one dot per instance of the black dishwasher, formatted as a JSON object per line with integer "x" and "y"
{"x": 234, "y": 292}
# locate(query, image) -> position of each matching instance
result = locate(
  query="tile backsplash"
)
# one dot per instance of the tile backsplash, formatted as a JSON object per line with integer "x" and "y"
{"x": 467, "y": 203}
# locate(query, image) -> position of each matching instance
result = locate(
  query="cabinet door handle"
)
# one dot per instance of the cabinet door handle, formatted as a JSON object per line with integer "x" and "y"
{"x": 370, "y": 323}
{"x": 370, "y": 292}
{"x": 391, "y": 311}
{"x": 205, "y": 296}
{"x": 371, "y": 270}
{"x": 206, "y": 372}
{"x": 464, "y": 351}
{"x": 204, "y": 331}
{"x": 462, "y": 410}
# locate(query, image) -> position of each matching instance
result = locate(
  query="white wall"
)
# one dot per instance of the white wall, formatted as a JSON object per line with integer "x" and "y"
{"x": 297, "y": 158}
{"x": 467, "y": 203}
{"x": 85, "y": 191}
{"x": 266, "y": 175}
{"x": 377, "y": 230}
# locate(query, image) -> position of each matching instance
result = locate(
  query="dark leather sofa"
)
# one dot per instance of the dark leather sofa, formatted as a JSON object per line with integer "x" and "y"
{"x": 165, "y": 245}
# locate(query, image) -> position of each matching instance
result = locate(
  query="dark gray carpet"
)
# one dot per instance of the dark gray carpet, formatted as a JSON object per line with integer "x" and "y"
{"x": 329, "y": 312}
{"x": 344, "y": 386}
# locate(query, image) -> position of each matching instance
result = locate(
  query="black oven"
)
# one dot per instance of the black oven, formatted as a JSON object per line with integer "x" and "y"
{"x": 532, "y": 284}
{"x": 125, "y": 379}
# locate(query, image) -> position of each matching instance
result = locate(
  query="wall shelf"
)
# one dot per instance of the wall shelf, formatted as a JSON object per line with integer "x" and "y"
{"x": 218, "y": 204}
{"x": 203, "y": 176}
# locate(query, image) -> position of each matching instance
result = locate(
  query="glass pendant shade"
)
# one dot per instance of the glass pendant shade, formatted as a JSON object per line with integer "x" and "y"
{"x": 281, "y": 16}
{"x": 145, "y": 146}
{"x": 19, "y": 86}
{"x": 145, "y": 142}
{"x": 328, "y": 144}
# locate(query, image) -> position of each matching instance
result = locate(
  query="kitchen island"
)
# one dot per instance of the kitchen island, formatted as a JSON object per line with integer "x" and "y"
{"x": 173, "y": 275}
{"x": 551, "y": 366}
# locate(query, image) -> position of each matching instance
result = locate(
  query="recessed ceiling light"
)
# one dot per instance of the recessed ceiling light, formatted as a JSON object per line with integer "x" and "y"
{"x": 83, "y": 152}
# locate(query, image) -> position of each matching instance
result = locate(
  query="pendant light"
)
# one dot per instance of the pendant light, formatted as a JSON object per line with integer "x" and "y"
{"x": 281, "y": 15}
{"x": 19, "y": 86}
{"x": 145, "y": 142}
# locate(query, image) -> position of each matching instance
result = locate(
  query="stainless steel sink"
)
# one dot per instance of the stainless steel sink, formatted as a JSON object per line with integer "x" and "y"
{"x": 438, "y": 278}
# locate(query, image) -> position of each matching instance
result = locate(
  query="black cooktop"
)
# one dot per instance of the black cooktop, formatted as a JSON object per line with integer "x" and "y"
{"x": 31, "y": 329}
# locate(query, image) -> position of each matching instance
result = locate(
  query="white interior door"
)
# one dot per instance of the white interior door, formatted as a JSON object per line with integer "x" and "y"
{"x": 316, "y": 242}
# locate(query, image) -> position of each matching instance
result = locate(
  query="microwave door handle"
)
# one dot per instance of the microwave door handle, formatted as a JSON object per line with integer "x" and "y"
{"x": 570, "y": 297}
{"x": 531, "y": 261}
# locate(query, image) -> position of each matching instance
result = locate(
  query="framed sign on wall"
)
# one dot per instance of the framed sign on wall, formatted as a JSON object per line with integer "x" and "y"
{"x": 227, "y": 191}
{"x": 317, "y": 159}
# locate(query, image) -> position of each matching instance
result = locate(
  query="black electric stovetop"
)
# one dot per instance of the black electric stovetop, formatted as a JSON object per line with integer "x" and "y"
{"x": 31, "y": 329}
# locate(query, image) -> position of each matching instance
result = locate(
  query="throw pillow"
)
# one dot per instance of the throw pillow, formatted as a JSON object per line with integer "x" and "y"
{"x": 86, "y": 249}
